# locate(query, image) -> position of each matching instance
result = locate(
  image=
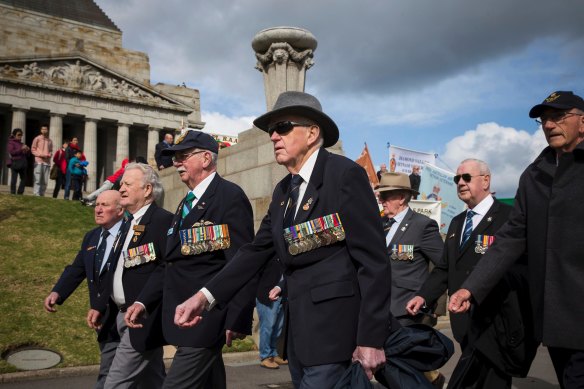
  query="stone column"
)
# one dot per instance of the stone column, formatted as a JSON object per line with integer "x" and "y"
{"x": 153, "y": 135}
{"x": 284, "y": 54}
{"x": 19, "y": 121}
{"x": 123, "y": 146}
{"x": 56, "y": 135}
{"x": 90, "y": 151}
{"x": 56, "y": 131}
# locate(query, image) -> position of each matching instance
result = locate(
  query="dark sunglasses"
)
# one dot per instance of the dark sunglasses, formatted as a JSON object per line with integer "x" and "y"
{"x": 285, "y": 127}
{"x": 466, "y": 177}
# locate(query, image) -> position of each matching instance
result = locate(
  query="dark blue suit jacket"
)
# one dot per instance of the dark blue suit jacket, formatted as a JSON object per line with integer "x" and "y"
{"x": 83, "y": 268}
{"x": 155, "y": 222}
{"x": 222, "y": 203}
{"x": 338, "y": 295}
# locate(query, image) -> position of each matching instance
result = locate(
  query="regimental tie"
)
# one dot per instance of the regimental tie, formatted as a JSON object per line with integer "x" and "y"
{"x": 467, "y": 227}
{"x": 100, "y": 253}
{"x": 188, "y": 204}
{"x": 292, "y": 199}
{"x": 387, "y": 224}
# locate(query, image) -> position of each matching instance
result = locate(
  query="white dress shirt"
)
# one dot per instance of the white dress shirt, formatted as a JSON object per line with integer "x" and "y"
{"x": 113, "y": 232}
{"x": 480, "y": 210}
{"x": 118, "y": 288}
{"x": 398, "y": 219}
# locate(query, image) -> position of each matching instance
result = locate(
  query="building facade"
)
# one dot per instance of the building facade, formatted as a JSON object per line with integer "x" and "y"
{"x": 63, "y": 65}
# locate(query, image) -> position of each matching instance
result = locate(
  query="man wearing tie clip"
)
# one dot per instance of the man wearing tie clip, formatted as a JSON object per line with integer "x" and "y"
{"x": 323, "y": 223}
{"x": 93, "y": 262}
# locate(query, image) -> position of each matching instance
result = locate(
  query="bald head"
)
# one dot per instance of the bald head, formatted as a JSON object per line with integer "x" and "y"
{"x": 108, "y": 210}
{"x": 478, "y": 187}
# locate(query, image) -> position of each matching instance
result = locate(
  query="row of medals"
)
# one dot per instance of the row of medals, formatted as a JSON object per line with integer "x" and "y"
{"x": 316, "y": 240}
{"x": 205, "y": 246}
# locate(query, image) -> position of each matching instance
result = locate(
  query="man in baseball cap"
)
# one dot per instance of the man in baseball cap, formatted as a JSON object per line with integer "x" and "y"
{"x": 546, "y": 223}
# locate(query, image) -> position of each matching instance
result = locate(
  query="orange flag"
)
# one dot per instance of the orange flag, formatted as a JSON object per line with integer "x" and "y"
{"x": 365, "y": 161}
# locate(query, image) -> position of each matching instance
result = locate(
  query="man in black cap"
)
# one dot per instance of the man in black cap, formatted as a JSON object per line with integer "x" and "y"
{"x": 546, "y": 223}
{"x": 324, "y": 225}
{"x": 213, "y": 221}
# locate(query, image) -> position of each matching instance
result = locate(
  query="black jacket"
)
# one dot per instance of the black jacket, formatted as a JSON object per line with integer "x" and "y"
{"x": 325, "y": 286}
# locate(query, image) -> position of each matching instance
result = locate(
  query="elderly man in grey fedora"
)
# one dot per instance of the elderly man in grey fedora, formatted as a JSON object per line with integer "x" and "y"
{"x": 323, "y": 224}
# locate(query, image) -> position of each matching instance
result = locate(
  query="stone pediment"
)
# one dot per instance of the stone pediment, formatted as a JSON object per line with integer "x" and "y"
{"x": 80, "y": 75}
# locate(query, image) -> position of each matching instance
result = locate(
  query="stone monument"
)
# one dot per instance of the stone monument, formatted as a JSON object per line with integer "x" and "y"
{"x": 284, "y": 55}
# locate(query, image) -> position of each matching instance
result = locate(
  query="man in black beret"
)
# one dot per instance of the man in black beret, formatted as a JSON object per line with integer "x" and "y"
{"x": 324, "y": 225}
{"x": 546, "y": 223}
{"x": 211, "y": 223}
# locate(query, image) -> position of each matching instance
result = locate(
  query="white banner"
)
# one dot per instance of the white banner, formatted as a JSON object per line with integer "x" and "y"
{"x": 402, "y": 160}
{"x": 432, "y": 209}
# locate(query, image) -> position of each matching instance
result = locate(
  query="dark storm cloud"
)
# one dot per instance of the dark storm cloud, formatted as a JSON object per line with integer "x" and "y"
{"x": 375, "y": 46}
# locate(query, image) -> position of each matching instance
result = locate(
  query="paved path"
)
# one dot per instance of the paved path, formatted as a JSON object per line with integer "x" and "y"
{"x": 244, "y": 372}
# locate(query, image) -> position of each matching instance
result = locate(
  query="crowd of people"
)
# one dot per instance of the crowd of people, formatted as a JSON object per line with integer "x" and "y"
{"x": 337, "y": 283}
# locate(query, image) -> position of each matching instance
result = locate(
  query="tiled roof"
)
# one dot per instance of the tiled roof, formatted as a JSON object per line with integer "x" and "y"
{"x": 83, "y": 11}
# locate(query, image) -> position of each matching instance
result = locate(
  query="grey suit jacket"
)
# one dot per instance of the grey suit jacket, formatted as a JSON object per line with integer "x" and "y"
{"x": 408, "y": 275}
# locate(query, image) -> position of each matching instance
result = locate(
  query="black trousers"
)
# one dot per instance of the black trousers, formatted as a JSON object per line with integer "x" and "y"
{"x": 569, "y": 366}
{"x": 59, "y": 183}
{"x": 15, "y": 174}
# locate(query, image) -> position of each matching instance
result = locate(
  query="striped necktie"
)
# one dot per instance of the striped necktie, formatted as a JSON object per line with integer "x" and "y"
{"x": 100, "y": 253}
{"x": 188, "y": 204}
{"x": 292, "y": 199}
{"x": 467, "y": 227}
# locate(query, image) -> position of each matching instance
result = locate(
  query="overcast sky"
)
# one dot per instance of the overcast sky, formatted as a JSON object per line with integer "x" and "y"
{"x": 454, "y": 77}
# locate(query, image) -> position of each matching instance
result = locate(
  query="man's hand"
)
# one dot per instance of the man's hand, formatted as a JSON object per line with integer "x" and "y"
{"x": 50, "y": 301}
{"x": 188, "y": 314}
{"x": 370, "y": 358}
{"x": 413, "y": 306}
{"x": 274, "y": 293}
{"x": 460, "y": 301}
{"x": 94, "y": 319}
{"x": 134, "y": 315}
{"x": 230, "y": 336}
{"x": 161, "y": 167}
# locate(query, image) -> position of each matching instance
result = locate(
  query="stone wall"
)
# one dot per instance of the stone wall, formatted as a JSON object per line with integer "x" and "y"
{"x": 31, "y": 34}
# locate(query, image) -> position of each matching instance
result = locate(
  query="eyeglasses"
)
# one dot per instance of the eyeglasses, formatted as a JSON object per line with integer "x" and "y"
{"x": 286, "y": 126}
{"x": 466, "y": 177}
{"x": 184, "y": 157}
{"x": 555, "y": 117}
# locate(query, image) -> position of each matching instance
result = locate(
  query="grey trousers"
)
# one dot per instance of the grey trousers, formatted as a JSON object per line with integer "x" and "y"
{"x": 196, "y": 368}
{"x": 130, "y": 368}
{"x": 107, "y": 354}
{"x": 41, "y": 179}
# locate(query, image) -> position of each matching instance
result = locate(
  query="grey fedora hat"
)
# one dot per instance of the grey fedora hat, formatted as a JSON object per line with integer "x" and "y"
{"x": 302, "y": 104}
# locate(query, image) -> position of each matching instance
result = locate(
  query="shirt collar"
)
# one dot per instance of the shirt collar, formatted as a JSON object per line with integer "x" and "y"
{"x": 483, "y": 207}
{"x": 400, "y": 216}
{"x": 306, "y": 170}
{"x": 113, "y": 231}
{"x": 200, "y": 189}
{"x": 138, "y": 215}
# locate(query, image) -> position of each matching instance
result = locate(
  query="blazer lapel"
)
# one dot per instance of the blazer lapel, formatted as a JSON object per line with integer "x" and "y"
{"x": 196, "y": 213}
{"x": 402, "y": 228}
{"x": 92, "y": 249}
{"x": 310, "y": 199}
{"x": 483, "y": 225}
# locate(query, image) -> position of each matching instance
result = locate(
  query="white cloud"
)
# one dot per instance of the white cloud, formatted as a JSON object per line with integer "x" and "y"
{"x": 218, "y": 123}
{"x": 507, "y": 151}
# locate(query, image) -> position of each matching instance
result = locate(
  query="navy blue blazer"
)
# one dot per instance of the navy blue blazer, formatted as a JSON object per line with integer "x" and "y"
{"x": 82, "y": 268}
{"x": 155, "y": 224}
{"x": 222, "y": 203}
{"x": 338, "y": 295}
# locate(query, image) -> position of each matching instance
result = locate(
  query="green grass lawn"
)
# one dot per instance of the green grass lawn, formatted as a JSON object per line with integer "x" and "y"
{"x": 38, "y": 238}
